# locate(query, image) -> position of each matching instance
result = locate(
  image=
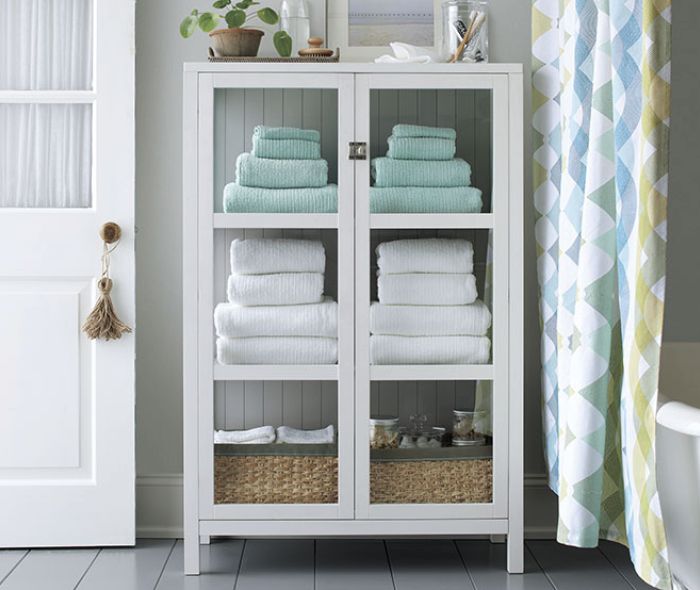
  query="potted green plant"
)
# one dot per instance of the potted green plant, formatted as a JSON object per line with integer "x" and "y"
{"x": 236, "y": 40}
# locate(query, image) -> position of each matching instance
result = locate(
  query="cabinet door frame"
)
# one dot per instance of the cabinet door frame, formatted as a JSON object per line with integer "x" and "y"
{"x": 499, "y": 222}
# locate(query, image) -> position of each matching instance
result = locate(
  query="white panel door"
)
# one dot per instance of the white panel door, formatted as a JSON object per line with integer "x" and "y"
{"x": 66, "y": 167}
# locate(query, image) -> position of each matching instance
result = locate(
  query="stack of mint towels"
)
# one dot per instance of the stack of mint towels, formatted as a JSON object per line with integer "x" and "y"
{"x": 421, "y": 175}
{"x": 284, "y": 173}
{"x": 276, "y": 312}
{"x": 428, "y": 312}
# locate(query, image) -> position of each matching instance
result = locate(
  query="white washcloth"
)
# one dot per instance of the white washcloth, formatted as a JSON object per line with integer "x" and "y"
{"x": 268, "y": 256}
{"x": 426, "y": 289}
{"x": 294, "y": 288}
{"x": 260, "y": 435}
{"x": 428, "y": 350}
{"x": 407, "y": 54}
{"x": 277, "y": 350}
{"x": 287, "y": 434}
{"x": 425, "y": 255}
{"x": 430, "y": 320}
{"x": 314, "y": 319}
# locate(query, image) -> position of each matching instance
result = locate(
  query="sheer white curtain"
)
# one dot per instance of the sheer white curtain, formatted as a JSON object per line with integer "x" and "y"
{"x": 45, "y": 149}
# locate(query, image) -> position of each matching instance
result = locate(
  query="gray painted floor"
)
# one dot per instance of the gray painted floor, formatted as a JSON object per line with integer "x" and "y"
{"x": 321, "y": 565}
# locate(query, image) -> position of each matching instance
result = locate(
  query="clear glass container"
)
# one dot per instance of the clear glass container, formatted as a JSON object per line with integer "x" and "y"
{"x": 294, "y": 18}
{"x": 460, "y": 19}
{"x": 467, "y": 428}
{"x": 383, "y": 432}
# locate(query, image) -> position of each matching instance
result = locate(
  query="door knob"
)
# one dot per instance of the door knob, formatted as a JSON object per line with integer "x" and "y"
{"x": 110, "y": 232}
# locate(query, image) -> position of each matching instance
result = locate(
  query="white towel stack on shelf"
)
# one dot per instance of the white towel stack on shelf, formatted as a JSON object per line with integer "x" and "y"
{"x": 428, "y": 311}
{"x": 277, "y": 313}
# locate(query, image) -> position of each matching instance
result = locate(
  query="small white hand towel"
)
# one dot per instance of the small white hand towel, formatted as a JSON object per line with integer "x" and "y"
{"x": 260, "y": 435}
{"x": 430, "y": 320}
{"x": 429, "y": 350}
{"x": 314, "y": 319}
{"x": 405, "y": 53}
{"x": 274, "y": 350}
{"x": 287, "y": 434}
{"x": 425, "y": 255}
{"x": 426, "y": 289}
{"x": 269, "y": 256}
{"x": 294, "y": 288}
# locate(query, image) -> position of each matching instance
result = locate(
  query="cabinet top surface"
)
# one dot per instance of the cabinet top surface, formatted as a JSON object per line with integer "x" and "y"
{"x": 354, "y": 68}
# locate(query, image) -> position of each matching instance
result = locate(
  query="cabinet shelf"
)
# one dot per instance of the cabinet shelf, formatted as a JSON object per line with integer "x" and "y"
{"x": 431, "y": 372}
{"x": 275, "y": 372}
{"x": 275, "y": 220}
{"x": 431, "y": 220}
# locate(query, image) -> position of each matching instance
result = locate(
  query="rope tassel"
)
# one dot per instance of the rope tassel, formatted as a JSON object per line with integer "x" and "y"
{"x": 103, "y": 322}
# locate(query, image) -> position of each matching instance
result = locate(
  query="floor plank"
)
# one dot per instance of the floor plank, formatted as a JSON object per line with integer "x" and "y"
{"x": 128, "y": 568}
{"x": 352, "y": 563}
{"x": 421, "y": 565}
{"x": 63, "y": 568}
{"x": 219, "y": 564}
{"x": 9, "y": 559}
{"x": 571, "y": 568}
{"x": 277, "y": 563}
{"x": 619, "y": 556}
{"x": 486, "y": 564}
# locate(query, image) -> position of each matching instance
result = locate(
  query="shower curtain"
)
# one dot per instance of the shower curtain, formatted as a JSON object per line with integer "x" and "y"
{"x": 601, "y": 99}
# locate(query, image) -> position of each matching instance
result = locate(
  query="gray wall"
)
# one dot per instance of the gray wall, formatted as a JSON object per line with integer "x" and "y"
{"x": 160, "y": 54}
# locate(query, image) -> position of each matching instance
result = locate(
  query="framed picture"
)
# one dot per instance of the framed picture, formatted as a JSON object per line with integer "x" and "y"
{"x": 363, "y": 29}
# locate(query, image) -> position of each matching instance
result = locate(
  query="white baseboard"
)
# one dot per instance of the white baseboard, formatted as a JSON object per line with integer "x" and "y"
{"x": 159, "y": 507}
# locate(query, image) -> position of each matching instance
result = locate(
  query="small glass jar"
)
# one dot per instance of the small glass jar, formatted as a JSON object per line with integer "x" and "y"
{"x": 460, "y": 19}
{"x": 466, "y": 428}
{"x": 383, "y": 432}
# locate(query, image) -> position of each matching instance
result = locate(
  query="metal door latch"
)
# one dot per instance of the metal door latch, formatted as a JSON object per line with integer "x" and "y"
{"x": 357, "y": 150}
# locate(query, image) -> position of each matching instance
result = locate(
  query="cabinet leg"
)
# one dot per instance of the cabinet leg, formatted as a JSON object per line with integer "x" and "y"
{"x": 191, "y": 556}
{"x": 204, "y": 539}
{"x": 515, "y": 553}
{"x": 497, "y": 538}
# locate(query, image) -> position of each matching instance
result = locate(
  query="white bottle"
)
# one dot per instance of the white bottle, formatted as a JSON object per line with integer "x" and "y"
{"x": 294, "y": 18}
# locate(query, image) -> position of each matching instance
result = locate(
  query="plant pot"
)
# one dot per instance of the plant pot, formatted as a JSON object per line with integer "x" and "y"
{"x": 236, "y": 42}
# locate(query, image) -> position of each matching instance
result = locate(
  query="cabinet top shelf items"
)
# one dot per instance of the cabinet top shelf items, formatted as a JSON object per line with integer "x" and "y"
{"x": 354, "y": 68}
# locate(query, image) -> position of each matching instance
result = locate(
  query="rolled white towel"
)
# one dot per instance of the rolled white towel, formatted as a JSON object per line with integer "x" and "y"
{"x": 294, "y": 288}
{"x": 277, "y": 350}
{"x": 432, "y": 255}
{"x": 430, "y": 320}
{"x": 426, "y": 289}
{"x": 259, "y": 435}
{"x": 314, "y": 319}
{"x": 429, "y": 350}
{"x": 269, "y": 256}
{"x": 287, "y": 434}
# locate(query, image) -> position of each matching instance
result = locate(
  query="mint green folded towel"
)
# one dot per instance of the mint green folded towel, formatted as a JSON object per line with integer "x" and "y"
{"x": 268, "y": 173}
{"x": 402, "y": 130}
{"x": 286, "y": 133}
{"x": 389, "y": 172}
{"x": 421, "y": 199}
{"x": 286, "y": 149}
{"x": 248, "y": 199}
{"x": 420, "y": 148}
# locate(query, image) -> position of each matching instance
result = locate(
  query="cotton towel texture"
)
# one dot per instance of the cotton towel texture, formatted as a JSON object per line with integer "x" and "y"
{"x": 422, "y": 199}
{"x": 277, "y": 350}
{"x": 282, "y": 435}
{"x": 283, "y": 173}
{"x": 266, "y": 256}
{"x": 436, "y": 173}
{"x": 260, "y": 435}
{"x": 289, "y": 435}
{"x": 432, "y": 255}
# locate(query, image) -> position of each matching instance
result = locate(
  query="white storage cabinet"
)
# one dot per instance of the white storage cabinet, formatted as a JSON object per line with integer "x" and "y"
{"x": 352, "y": 103}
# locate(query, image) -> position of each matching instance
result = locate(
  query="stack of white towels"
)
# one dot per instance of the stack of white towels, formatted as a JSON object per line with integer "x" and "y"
{"x": 277, "y": 312}
{"x": 428, "y": 311}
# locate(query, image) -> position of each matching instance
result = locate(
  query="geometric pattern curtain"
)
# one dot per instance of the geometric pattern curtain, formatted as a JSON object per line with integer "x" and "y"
{"x": 601, "y": 101}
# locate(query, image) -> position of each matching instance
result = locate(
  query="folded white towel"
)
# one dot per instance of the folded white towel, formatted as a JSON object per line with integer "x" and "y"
{"x": 287, "y": 434}
{"x": 314, "y": 319}
{"x": 426, "y": 289}
{"x": 425, "y": 255}
{"x": 430, "y": 320}
{"x": 294, "y": 288}
{"x": 260, "y": 435}
{"x": 277, "y": 350}
{"x": 428, "y": 350}
{"x": 268, "y": 256}
{"x": 408, "y": 54}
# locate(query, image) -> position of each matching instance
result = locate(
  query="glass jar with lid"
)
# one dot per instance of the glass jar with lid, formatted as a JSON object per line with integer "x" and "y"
{"x": 465, "y": 35}
{"x": 383, "y": 432}
{"x": 467, "y": 428}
